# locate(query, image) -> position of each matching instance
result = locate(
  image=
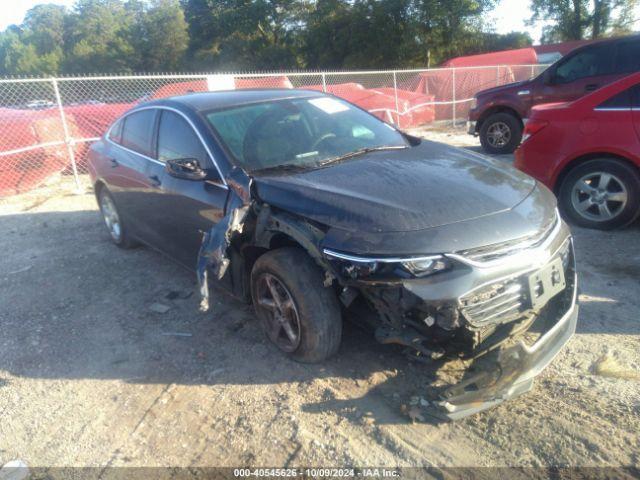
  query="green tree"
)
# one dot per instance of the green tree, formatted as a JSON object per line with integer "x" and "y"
{"x": 98, "y": 38}
{"x": 158, "y": 34}
{"x": 389, "y": 33}
{"x": 581, "y": 19}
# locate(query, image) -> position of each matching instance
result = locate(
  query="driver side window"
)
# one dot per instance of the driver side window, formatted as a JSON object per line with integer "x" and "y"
{"x": 587, "y": 63}
{"x": 177, "y": 140}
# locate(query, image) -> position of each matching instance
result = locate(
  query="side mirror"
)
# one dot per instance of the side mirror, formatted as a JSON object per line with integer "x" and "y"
{"x": 186, "y": 169}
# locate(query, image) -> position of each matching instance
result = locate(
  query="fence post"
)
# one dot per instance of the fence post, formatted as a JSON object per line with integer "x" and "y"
{"x": 395, "y": 93}
{"x": 453, "y": 88}
{"x": 324, "y": 82}
{"x": 67, "y": 138}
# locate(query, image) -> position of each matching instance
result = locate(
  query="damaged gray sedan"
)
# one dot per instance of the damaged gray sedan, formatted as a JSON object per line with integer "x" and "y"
{"x": 314, "y": 210}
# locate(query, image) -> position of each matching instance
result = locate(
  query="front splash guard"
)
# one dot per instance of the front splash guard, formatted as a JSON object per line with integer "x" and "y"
{"x": 515, "y": 371}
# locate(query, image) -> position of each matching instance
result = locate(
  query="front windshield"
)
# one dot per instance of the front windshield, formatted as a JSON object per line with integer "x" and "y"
{"x": 299, "y": 133}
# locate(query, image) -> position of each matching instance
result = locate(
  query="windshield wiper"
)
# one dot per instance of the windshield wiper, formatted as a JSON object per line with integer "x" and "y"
{"x": 362, "y": 151}
{"x": 292, "y": 167}
{"x": 286, "y": 167}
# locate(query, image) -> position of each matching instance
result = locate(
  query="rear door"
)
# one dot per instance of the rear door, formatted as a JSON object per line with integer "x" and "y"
{"x": 636, "y": 110}
{"x": 130, "y": 149}
{"x": 184, "y": 209}
{"x": 579, "y": 74}
{"x": 615, "y": 123}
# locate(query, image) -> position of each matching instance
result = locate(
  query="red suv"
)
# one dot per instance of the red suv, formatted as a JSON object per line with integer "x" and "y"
{"x": 499, "y": 113}
{"x": 588, "y": 152}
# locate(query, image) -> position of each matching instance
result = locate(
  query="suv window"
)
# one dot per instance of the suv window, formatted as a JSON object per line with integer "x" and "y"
{"x": 592, "y": 62}
{"x": 138, "y": 131}
{"x": 176, "y": 140}
{"x": 628, "y": 57}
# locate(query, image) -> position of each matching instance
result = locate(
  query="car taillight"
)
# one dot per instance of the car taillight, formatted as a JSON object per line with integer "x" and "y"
{"x": 532, "y": 127}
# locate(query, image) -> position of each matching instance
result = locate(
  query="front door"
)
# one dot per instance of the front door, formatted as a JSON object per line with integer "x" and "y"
{"x": 184, "y": 208}
{"x": 578, "y": 74}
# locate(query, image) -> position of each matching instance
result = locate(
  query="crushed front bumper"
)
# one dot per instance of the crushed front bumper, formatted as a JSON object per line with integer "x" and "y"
{"x": 514, "y": 372}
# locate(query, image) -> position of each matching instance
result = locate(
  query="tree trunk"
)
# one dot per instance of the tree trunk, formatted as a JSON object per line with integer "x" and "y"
{"x": 597, "y": 19}
{"x": 576, "y": 25}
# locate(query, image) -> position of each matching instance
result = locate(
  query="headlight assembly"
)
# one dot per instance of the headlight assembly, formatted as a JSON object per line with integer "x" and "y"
{"x": 386, "y": 267}
{"x": 426, "y": 266}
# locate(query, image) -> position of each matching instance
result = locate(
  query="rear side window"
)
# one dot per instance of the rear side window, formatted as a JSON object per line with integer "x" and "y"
{"x": 177, "y": 139}
{"x": 635, "y": 97}
{"x": 628, "y": 57}
{"x": 592, "y": 62}
{"x": 137, "y": 131}
{"x": 620, "y": 101}
{"x": 115, "y": 134}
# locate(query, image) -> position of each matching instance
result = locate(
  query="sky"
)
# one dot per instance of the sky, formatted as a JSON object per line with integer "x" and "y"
{"x": 507, "y": 17}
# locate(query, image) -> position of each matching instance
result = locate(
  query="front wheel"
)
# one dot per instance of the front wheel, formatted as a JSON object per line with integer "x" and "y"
{"x": 298, "y": 313}
{"x": 601, "y": 194}
{"x": 500, "y": 133}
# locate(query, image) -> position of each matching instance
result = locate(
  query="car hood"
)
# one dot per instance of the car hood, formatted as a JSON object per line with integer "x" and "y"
{"x": 503, "y": 88}
{"x": 399, "y": 190}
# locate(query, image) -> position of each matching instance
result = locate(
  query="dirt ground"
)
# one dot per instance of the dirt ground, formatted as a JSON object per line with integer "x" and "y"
{"x": 93, "y": 374}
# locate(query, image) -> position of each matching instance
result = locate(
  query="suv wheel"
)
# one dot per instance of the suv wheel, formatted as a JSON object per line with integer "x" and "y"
{"x": 500, "y": 133}
{"x": 113, "y": 220}
{"x": 298, "y": 313}
{"x": 602, "y": 194}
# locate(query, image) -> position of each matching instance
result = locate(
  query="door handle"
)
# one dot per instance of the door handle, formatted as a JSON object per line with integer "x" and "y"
{"x": 155, "y": 181}
{"x": 591, "y": 87}
{"x": 114, "y": 162}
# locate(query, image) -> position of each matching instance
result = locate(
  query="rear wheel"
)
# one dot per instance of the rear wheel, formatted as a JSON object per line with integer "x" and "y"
{"x": 298, "y": 313}
{"x": 500, "y": 133}
{"x": 601, "y": 193}
{"x": 113, "y": 220}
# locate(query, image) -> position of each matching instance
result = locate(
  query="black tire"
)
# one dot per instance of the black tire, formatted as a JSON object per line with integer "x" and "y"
{"x": 122, "y": 239}
{"x": 513, "y": 128}
{"x": 624, "y": 181}
{"x": 316, "y": 306}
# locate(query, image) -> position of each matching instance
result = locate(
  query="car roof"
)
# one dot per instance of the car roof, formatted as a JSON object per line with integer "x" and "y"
{"x": 604, "y": 41}
{"x": 230, "y": 98}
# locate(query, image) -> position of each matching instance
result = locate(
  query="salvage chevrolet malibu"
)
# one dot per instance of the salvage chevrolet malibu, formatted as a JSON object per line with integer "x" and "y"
{"x": 313, "y": 209}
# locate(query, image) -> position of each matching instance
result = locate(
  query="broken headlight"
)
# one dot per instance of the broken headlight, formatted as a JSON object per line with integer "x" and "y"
{"x": 386, "y": 267}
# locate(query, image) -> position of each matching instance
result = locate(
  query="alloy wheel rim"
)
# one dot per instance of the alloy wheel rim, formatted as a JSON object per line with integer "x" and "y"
{"x": 599, "y": 196}
{"x": 279, "y": 313}
{"x": 498, "y": 134}
{"x": 111, "y": 218}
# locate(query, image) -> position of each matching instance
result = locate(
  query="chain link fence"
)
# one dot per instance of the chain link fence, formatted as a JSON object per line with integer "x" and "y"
{"x": 47, "y": 125}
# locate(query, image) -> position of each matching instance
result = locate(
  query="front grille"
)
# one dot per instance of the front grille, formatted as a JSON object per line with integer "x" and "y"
{"x": 508, "y": 299}
{"x": 496, "y": 303}
{"x": 497, "y": 251}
